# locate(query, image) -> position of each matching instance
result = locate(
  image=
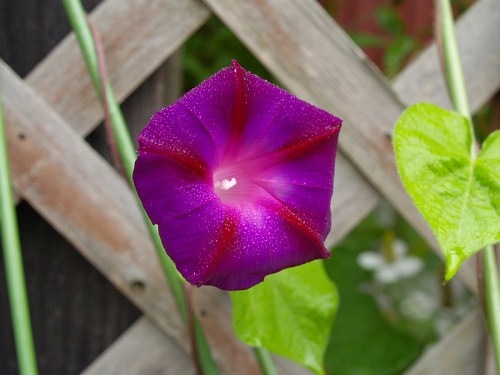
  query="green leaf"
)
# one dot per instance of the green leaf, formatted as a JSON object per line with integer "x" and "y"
{"x": 291, "y": 314}
{"x": 388, "y": 19}
{"x": 459, "y": 196}
{"x": 367, "y": 39}
{"x": 396, "y": 52}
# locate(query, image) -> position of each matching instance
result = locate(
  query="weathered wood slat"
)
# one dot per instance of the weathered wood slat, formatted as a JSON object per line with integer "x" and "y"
{"x": 321, "y": 65}
{"x": 137, "y": 36}
{"x": 142, "y": 349}
{"x": 86, "y": 201}
{"x": 461, "y": 352}
{"x": 60, "y": 175}
{"x": 478, "y": 33}
{"x": 352, "y": 200}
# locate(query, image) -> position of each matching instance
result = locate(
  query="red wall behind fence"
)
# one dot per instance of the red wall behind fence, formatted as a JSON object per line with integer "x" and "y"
{"x": 359, "y": 16}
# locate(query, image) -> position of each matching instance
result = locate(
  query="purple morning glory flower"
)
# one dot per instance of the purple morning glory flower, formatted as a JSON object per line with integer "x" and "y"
{"x": 238, "y": 175}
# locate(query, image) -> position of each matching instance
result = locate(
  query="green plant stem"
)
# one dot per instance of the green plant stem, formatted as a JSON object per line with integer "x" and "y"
{"x": 453, "y": 72}
{"x": 126, "y": 150}
{"x": 265, "y": 361}
{"x": 13, "y": 260}
{"x": 458, "y": 94}
{"x": 492, "y": 291}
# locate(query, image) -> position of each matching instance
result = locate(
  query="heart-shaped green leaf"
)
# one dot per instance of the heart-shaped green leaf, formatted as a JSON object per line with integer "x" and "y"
{"x": 290, "y": 313}
{"x": 458, "y": 194}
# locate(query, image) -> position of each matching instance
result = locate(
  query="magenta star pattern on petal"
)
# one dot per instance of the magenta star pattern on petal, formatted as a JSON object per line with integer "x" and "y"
{"x": 238, "y": 175}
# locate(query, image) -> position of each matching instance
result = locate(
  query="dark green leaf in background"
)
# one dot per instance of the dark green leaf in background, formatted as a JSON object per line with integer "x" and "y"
{"x": 397, "y": 51}
{"x": 389, "y": 20}
{"x": 367, "y": 40}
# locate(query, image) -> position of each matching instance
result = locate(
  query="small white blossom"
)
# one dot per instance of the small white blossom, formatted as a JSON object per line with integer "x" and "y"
{"x": 388, "y": 272}
{"x": 418, "y": 305}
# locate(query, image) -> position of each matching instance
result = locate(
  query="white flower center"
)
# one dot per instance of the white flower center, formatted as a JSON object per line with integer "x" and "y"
{"x": 225, "y": 184}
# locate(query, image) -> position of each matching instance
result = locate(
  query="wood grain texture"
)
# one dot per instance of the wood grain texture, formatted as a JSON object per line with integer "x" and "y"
{"x": 478, "y": 33}
{"x": 137, "y": 37}
{"x": 460, "y": 352}
{"x": 321, "y": 65}
{"x": 75, "y": 312}
{"x": 353, "y": 199}
{"x": 142, "y": 349}
{"x": 76, "y": 190}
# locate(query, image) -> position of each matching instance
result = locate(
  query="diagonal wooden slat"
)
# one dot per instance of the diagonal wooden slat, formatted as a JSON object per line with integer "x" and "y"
{"x": 46, "y": 153}
{"x": 352, "y": 201}
{"x": 478, "y": 32}
{"x": 446, "y": 357}
{"x": 157, "y": 354}
{"x": 144, "y": 349}
{"x": 321, "y": 65}
{"x": 137, "y": 36}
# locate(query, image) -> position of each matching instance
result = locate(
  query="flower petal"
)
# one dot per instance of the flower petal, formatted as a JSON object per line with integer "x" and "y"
{"x": 238, "y": 174}
{"x": 235, "y": 249}
{"x": 265, "y": 243}
{"x": 213, "y": 103}
{"x": 409, "y": 266}
{"x": 387, "y": 274}
{"x": 176, "y": 133}
{"x": 302, "y": 185}
{"x": 196, "y": 241}
{"x": 371, "y": 260}
{"x": 276, "y": 119}
{"x": 169, "y": 188}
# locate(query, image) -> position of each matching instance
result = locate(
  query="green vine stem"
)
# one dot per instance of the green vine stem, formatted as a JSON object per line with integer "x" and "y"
{"x": 14, "y": 270}
{"x": 456, "y": 88}
{"x": 127, "y": 153}
{"x": 453, "y": 67}
{"x": 492, "y": 291}
{"x": 265, "y": 361}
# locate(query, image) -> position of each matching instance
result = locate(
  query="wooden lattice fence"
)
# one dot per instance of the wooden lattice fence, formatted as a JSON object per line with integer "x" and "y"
{"x": 73, "y": 188}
